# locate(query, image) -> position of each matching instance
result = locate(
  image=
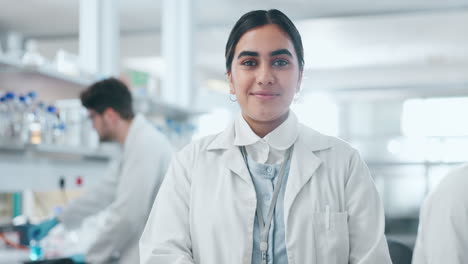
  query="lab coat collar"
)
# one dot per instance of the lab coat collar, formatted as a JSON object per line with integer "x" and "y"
{"x": 137, "y": 124}
{"x": 303, "y": 163}
{"x": 280, "y": 138}
{"x": 313, "y": 140}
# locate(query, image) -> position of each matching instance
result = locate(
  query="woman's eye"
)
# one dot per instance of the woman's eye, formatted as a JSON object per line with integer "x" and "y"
{"x": 249, "y": 63}
{"x": 280, "y": 63}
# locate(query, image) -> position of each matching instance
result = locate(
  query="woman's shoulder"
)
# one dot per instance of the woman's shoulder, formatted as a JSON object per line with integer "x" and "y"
{"x": 319, "y": 141}
{"x": 453, "y": 185}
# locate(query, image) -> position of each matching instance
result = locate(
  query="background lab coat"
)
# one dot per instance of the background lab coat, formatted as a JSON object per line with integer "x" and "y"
{"x": 443, "y": 224}
{"x": 205, "y": 209}
{"x": 127, "y": 192}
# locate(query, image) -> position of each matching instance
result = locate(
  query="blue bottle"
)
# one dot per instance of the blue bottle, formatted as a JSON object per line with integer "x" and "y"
{"x": 35, "y": 250}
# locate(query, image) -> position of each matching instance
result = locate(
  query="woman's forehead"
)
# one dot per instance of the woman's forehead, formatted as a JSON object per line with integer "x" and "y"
{"x": 266, "y": 38}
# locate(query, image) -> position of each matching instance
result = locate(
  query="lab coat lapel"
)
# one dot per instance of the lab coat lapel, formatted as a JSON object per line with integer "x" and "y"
{"x": 304, "y": 163}
{"x": 235, "y": 162}
{"x": 231, "y": 157}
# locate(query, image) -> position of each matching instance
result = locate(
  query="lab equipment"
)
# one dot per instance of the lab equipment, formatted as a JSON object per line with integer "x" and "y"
{"x": 17, "y": 112}
{"x": 35, "y": 250}
{"x": 38, "y": 232}
{"x": 32, "y": 57}
{"x": 24, "y": 119}
{"x": 21, "y": 230}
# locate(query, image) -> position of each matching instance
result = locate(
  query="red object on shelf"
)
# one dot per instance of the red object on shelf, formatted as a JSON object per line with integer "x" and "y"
{"x": 79, "y": 181}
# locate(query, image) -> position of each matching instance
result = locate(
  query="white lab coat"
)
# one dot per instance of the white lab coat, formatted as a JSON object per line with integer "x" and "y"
{"x": 443, "y": 223}
{"x": 205, "y": 209}
{"x": 126, "y": 192}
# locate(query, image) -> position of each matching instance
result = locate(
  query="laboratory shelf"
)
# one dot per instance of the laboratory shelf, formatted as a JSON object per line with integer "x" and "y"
{"x": 154, "y": 107}
{"x": 78, "y": 151}
{"x": 18, "y": 69}
{"x": 59, "y": 151}
{"x": 50, "y": 84}
{"x": 53, "y": 85}
{"x": 39, "y": 167}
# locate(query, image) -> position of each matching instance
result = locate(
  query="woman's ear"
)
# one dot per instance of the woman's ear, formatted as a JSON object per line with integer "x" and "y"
{"x": 299, "y": 82}
{"x": 231, "y": 85}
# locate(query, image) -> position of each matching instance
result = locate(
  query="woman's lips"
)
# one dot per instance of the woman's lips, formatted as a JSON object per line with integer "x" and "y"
{"x": 265, "y": 95}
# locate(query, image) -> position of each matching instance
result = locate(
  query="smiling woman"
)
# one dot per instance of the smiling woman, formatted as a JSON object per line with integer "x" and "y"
{"x": 265, "y": 74}
{"x": 267, "y": 189}
{"x": 264, "y": 63}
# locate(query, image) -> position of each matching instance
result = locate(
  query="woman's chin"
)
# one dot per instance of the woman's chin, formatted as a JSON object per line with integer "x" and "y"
{"x": 266, "y": 117}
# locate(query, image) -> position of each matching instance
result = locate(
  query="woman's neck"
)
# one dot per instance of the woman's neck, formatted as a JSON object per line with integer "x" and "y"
{"x": 263, "y": 128}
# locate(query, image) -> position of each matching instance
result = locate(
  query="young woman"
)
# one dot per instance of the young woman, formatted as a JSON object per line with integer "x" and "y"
{"x": 267, "y": 189}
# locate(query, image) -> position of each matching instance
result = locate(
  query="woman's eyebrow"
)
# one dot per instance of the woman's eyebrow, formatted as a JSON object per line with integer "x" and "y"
{"x": 280, "y": 52}
{"x": 273, "y": 53}
{"x": 248, "y": 53}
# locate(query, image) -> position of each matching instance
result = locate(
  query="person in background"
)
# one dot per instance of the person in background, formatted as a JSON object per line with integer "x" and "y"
{"x": 128, "y": 189}
{"x": 443, "y": 222}
{"x": 267, "y": 189}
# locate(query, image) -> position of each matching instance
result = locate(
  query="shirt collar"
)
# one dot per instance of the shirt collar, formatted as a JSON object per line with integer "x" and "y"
{"x": 280, "y": 138}
{"x": 244, "y": 135}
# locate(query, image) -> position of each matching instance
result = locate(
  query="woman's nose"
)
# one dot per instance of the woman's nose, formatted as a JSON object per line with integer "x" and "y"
{"x": 265, "y": 76}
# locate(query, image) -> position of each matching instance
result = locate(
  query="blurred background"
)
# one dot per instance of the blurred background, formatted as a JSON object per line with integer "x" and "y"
{"x": 390, "y": 77}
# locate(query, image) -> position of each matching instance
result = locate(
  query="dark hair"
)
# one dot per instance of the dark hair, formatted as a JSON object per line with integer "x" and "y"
{"x": 109, "y": 93}
{"x": 260, "y": 18}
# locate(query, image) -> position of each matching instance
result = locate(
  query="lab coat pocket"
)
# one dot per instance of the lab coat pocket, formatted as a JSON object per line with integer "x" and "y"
{"x": 331, "y": 237}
